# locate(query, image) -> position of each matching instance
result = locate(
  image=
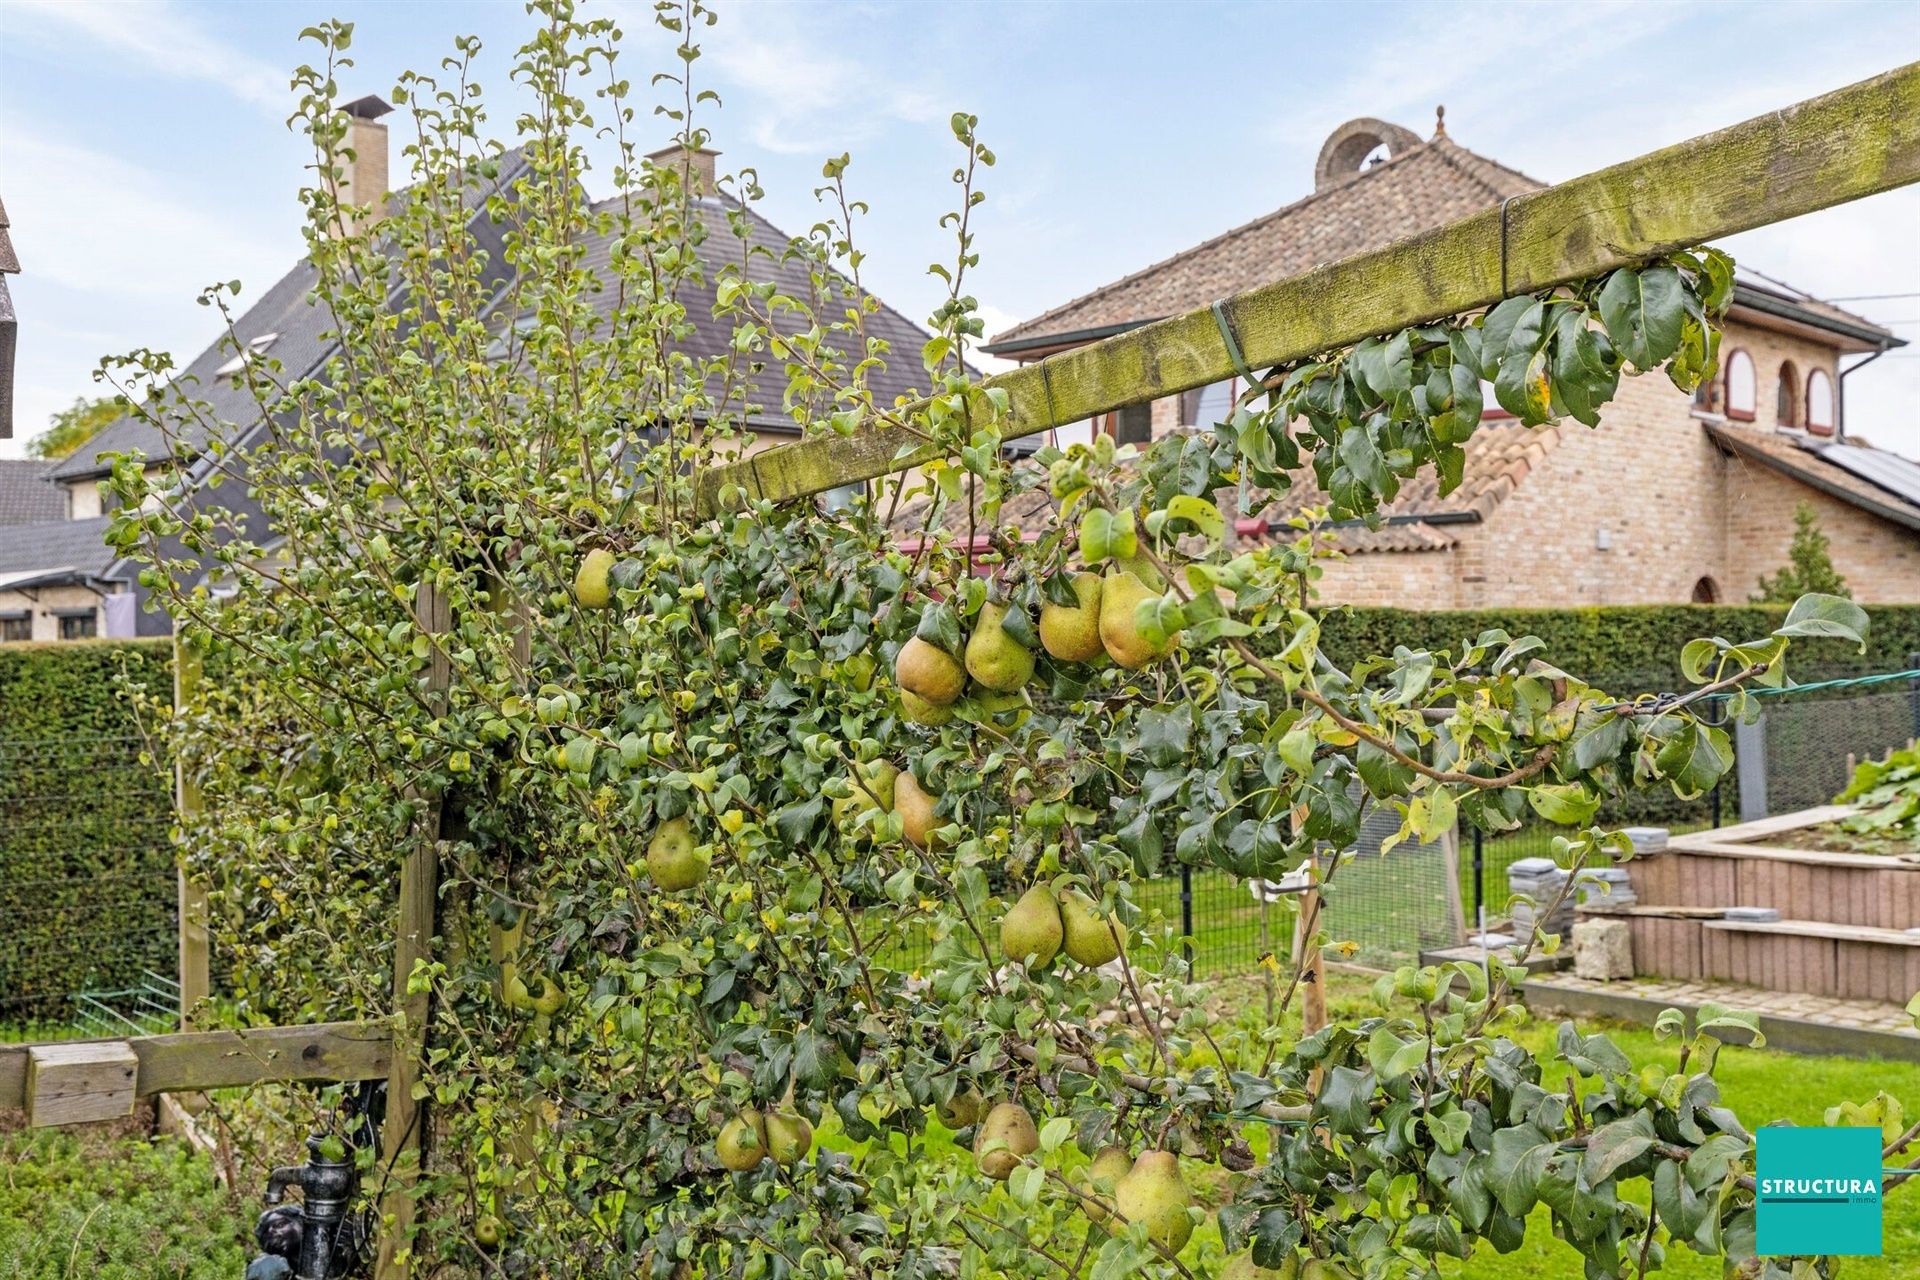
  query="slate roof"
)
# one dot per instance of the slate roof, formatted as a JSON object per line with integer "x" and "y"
{"x": 902, "y": 375}
{"x": 75, "y": 546}
{"x": 26, "y": 495}
{"x": 1423, "y": 186}
{"x": 1817, "y": 463}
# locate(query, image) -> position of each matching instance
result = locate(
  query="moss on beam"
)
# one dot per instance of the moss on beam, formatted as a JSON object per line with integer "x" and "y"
{"x": 1854, "y": 142}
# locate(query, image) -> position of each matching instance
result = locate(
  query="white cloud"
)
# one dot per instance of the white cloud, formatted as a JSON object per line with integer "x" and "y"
{"x": 806, "y": 99}
{"x": 160, "y": 36}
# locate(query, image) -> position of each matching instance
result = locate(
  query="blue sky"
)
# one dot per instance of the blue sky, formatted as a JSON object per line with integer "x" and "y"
{"x": 144, "y": 151}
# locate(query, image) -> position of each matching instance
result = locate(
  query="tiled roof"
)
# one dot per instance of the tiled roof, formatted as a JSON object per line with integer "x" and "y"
{"x": 56, "y": 544}
{"x": 1799, "y": 457}
{"x": 1499, "y": 457}
{"x": 1423, "y": 186}
{"x": 26, "y": 495}
{"x": 902, "y": 374}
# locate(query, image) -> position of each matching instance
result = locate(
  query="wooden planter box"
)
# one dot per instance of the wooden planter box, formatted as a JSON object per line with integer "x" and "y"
{"x": 1842, "y": 915}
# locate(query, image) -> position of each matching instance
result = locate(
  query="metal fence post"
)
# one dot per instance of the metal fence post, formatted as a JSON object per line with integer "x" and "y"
{"x": 1913, "y": 691}
{"x": 1186, "y": 914}
{"x": 1479, "y": 878}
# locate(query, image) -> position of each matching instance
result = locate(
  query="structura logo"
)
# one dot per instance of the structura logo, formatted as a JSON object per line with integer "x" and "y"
{"x": 1817, "y": 1191}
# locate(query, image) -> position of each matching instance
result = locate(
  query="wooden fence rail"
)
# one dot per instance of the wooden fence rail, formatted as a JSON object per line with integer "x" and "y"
{"x": 1854, "y": 142}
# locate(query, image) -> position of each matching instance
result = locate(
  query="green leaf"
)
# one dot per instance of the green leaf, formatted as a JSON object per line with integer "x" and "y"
{"x": 1392, "y": 1057}
{"x": 1199, "y": 513}
{"x": 1449, "y": 1130}
{"x": 1598, "y": 736}
{"x": 1517, "y": 1162}
{"x": 1822, "y": 615}
{"x": 940, "y": 627}
{"x": 1693, "y": 756}
{"x": 1346, "y": 1100}
{"x": 1566, "y": 804}
{"x": 1643, "y": 311}
{"x": 1612, "y": 1146}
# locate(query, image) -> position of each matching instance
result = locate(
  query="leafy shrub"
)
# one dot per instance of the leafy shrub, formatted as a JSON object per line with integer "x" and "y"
{"x": 105, "y": 1204}
{"x": 86, "y": 868}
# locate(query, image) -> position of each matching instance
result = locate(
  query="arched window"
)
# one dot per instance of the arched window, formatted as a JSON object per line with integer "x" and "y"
{"x": 1741, "y": 392}
{"x": 1786, "y": 398}
{"x": 1706, "y": 591}
{"x": 1820, "y": 416}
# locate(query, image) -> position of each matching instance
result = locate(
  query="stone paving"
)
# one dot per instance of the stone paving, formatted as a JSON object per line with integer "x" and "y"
{"x": 1867, "y": 1015}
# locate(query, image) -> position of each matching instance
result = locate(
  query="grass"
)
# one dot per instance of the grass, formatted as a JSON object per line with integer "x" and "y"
{"x": 104, "y": 1202}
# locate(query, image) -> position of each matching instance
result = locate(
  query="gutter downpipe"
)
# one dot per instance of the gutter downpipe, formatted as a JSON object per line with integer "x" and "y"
{"x": 1841, "y": 432}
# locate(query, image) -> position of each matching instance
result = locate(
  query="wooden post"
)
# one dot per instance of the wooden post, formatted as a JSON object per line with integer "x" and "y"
{"x": 196, "y": 982}
{"x": 404, "y": 1131}
{"x": 1841, "y": 146}
{"x": 1306, "y": 954}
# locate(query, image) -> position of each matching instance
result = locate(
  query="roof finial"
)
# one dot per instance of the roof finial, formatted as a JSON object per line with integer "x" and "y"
{"x": 1440, "y": 121}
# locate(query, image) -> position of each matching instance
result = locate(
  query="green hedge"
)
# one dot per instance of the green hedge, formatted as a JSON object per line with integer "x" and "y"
{"x": 1640, "y": 642}
{"x": 86, "y": 871}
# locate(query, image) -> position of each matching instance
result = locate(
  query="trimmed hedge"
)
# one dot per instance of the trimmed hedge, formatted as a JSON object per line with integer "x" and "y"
{"x": 86, "y": 869}
{"x": 1605, "y": 645}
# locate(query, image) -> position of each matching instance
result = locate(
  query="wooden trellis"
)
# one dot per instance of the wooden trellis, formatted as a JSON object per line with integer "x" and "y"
{"x": 1854, "y": 142}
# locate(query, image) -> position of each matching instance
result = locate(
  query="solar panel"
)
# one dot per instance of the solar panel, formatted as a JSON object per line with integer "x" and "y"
{"x": 1897, "y": 475}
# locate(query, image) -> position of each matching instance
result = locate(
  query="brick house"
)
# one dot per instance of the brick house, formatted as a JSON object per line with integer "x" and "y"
{"x": 1675, "y": 499}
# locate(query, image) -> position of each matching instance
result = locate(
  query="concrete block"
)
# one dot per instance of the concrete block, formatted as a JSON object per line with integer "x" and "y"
{"x": 1602, "y": 950}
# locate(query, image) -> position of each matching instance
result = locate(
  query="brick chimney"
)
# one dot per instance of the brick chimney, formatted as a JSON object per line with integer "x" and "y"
{"x": 363, "y": 158}
{"x": 698, "y": 163}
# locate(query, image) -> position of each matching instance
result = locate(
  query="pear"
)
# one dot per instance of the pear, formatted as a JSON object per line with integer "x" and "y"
{"x": 915, "y": 806}
{"x": 929, "y": 671}
{"x": 995, "y": 658}
{"x": 1030, "y": 933}
{"x": 1120, "y": 595}
{"x": 1244, "y": 1268}
{"x": 672, "y": 860}
{"x": 742, "y": 1143}
{"x": 1092, "y": 939}
{"x": 873, "y": 784}
{"x": 961, "y": 1110}
{"x": 919, "y": 711}
{"x": 1152, "y": 1192}
{"x": 1110, "y": 1164}
{"x": 1008, "y": 1123}
{"x": 789, "y": 1137}
{"x": 1073, "y": 634}
{"x": 592, "y": 584}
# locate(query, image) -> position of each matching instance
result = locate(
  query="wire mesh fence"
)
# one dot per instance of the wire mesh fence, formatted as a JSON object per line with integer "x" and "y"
{"x": 87, "y": 879}
{"x": 86, "y": 874}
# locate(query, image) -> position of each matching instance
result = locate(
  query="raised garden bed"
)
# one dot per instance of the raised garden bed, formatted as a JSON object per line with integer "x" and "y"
{"x": 1844, "y": 915}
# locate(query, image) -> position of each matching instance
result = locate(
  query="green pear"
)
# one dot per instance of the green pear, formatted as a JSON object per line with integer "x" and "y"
{"x": 789, "y": 1137}
{"x": 1031, "y": 932}
{"x": 919, "y": 711}
{"x": 742, "y": 1143}
{"x": 929, "y": 671}
{"x": 592, "y": 584}
{"x": 915, "y": 805}
{"x": 994, "y": 658}
{"x": 1110, "y": 1164}
{"x": 1153, "y": 1192}
{"x": 672, "y": 860}
{"x": 1092, "y": 939}
{"x": 962, "y": 1109}
{"x": 1244, "y": 1268}
{"x": 1011, "y": 1124}
{"x": 873, "y": 784}
{"x": 1120, "y": 595}
{"x": 1072, "y": 634}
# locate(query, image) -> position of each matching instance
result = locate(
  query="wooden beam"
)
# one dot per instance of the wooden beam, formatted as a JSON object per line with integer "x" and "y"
{"x": 196, "y": 965}
{"x": 403, "y": 1133}
{"x": 1853, "y": 142}
{"x": 80, "y": 1082}
{"x": 199, "y": 1060}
